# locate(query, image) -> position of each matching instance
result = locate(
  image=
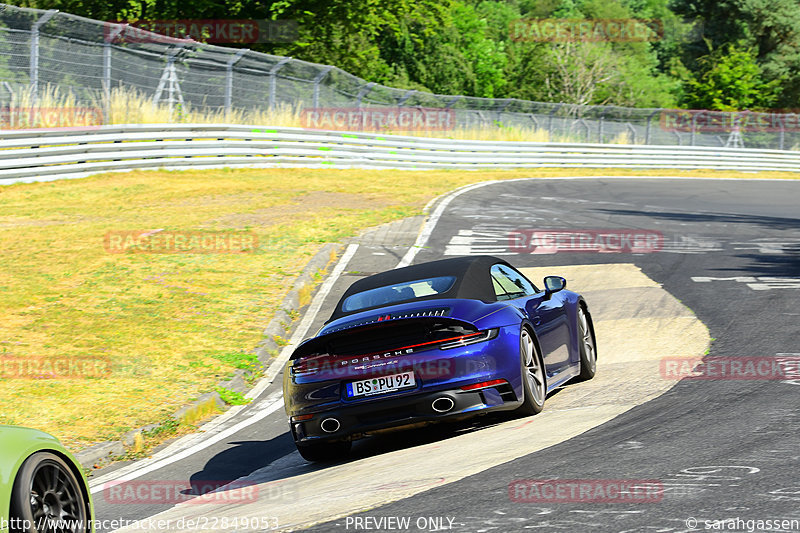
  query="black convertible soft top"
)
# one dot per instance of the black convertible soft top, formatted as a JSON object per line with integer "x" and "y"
{"x": 472, "y": 280}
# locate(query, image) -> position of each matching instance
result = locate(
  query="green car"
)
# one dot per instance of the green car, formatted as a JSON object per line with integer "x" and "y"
{"x": 42, "y": 486}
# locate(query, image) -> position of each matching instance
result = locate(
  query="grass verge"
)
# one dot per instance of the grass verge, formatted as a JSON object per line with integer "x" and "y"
{"x": 172, "y": 326}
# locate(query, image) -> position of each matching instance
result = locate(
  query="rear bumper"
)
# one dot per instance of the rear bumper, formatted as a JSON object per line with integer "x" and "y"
{"x": 357, "y": 420}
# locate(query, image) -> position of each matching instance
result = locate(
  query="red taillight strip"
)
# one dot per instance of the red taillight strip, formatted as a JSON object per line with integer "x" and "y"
{"x": 441, "y": 341}
{"x": 484, "y": 384}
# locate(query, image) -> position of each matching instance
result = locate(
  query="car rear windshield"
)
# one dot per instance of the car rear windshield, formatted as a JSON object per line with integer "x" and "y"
{"x": 399, "y": 292}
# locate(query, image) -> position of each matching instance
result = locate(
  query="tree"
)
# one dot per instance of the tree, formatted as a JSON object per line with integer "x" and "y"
{"x": 346, "y": 33}
{"x": 730, "y": 79}
{"x": 609, "y": 72}
{"x": 770, "y": 27}
{"x": 458, "y": 58}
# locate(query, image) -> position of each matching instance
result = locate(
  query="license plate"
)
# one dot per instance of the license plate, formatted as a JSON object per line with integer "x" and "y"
{"x": 379, "y": 385}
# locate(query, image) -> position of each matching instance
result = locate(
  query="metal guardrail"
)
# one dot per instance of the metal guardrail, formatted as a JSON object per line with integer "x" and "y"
{"x": 39, "y": 155}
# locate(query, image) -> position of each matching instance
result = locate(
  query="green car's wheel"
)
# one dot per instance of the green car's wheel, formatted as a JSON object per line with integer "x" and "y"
{"x": 48, "y": 497}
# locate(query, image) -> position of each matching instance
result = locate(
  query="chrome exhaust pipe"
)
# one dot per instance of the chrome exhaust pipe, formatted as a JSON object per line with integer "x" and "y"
{"x": 330, "y": 425}
{"x": 443, "y": 404}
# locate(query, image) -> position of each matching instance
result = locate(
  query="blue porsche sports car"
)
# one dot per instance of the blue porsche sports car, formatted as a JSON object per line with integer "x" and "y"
{"x": 437, "y": 341}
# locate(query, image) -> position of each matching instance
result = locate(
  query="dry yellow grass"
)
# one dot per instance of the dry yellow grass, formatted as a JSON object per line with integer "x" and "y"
{"x": 56, "y": 108}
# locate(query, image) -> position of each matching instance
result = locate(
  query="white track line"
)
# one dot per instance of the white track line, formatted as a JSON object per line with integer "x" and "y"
{"x": 313, "y": 310}
{"x": 260, "y": 410}
{"x": 427, "y": 229}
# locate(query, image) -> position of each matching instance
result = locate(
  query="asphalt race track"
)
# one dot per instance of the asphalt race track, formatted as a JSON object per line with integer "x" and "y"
{"x": 725, "y": 451}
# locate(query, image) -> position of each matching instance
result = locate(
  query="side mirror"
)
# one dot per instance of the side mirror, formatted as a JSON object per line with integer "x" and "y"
{"x": 554, "y": 284}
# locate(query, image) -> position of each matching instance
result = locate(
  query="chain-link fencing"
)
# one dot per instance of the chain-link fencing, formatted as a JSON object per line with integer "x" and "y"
{"x": 87, "y": 58}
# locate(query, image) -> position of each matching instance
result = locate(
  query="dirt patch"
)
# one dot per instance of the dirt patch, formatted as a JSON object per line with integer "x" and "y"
{"x": 302, "y": 205}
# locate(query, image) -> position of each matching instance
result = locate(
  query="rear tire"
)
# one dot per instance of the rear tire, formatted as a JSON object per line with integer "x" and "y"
{"x": 324, "y": 450}
{"x": 586, "y": 343}
{"x": 534, "y": 385}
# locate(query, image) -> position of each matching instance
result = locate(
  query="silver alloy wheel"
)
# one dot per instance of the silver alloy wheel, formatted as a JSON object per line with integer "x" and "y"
{"x": 534, "y": 371}
{"x": 588, "y": 341}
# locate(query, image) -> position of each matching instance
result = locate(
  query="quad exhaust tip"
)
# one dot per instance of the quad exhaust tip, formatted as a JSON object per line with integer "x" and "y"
{"x": 330, "y": 425}
{"x": 443, "y": 404}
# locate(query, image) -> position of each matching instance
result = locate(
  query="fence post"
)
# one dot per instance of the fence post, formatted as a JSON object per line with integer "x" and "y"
{"x": 402, "y": 100}
{"x": 633, "y": 132}
{"x": 502, "y": 108}
{"x": 34, "y": 59}
{"x": 453, "y": 101}
{"x": 363, "y": 92}
{"x": 782, "y": 135}
{"x": 550, "y": 122}
{"x": 169, "y": 80}
{"x": 600, "y": 128}
{"x": 273, "y": 80}
{"x": 107, "y": 70}
{"x": 229, "y": 77}
{"x": 317, "y": 81}
{"x": 647, "y": 129}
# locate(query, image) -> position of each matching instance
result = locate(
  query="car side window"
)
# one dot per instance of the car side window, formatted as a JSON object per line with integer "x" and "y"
{"x": 509, "y": 284}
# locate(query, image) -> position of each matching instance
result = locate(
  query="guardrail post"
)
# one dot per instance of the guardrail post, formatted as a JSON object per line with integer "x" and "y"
{"x": 34, "y": 59}
{"x": 273, "y": 80}
{"x": 317, "y": 82}
{"x": 229, "y": 77}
